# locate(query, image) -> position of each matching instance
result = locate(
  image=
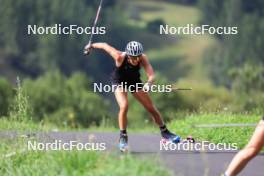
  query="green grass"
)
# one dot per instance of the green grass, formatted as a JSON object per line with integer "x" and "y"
{"x": 184, "y": 53}
{"x": 239, "y": 135}
{"x": 74, "y": 163}
{"x": 28, "y": 126}
{"x": 25, "y": 125}
{"x": 171, "y": 13}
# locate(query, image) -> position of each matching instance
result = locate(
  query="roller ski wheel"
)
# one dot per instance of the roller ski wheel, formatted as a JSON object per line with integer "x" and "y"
{"x": 189, "y": 139}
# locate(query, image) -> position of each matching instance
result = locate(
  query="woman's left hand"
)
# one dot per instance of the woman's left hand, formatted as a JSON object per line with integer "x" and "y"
{"x": 147, "y": 87}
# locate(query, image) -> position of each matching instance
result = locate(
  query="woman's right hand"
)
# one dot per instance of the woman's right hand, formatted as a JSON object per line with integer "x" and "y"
{"x": 87, "y": 49}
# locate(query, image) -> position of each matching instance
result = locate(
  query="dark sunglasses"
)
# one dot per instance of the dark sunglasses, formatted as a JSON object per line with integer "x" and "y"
{"x": 134, "y": 57}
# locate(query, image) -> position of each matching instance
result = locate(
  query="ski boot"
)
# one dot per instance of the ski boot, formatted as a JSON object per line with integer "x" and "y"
{"x": 123, "y": 145}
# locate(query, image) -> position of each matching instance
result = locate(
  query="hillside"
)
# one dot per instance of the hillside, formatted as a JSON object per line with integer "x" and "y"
{"x": 182, "y": 55}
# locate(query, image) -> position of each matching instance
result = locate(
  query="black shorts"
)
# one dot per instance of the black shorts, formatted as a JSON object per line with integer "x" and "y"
{"x": 129, "y": 86}
{"x": 263, "y": 118}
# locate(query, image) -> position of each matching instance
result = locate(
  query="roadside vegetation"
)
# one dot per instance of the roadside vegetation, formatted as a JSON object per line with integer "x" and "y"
{"x": 78, "y": 163}
{"x": 240, "y": 135}
{"x": 55, "y": 90}
{"x": 16, "y": 159}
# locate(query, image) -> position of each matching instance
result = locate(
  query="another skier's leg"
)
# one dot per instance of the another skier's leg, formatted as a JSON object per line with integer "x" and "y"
{"x": 250, "y": 151}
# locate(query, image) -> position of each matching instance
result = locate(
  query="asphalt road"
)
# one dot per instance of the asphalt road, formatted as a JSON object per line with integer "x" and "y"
{"x": 180, "y": 162}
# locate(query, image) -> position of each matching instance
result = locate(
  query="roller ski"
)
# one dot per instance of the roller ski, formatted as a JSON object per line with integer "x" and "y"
{"x": 168, "y": 136}
{"x": 175, "y": 140}
{"x": 123, "y": 143}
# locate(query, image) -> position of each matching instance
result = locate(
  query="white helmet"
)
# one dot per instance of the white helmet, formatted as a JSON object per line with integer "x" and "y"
{"x": 134, "y": 48}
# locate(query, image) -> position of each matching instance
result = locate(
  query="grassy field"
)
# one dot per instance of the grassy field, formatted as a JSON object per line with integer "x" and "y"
{"x": 185, "y": 50}
{"x": 7, "y": 124}
{"x": 239, "y": 135}
{"x": 171, "y": 13}
{"x": 78, "y": 163}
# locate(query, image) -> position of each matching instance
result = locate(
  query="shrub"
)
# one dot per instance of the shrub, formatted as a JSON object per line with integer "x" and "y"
{"x": 20, "y": 109}
{"x": 6, "y": 95}
{"x": 204, "y": 98}
{"x": 64, "y": 101}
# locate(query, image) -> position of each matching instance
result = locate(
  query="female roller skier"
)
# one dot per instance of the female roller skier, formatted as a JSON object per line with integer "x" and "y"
{"x": 127, "y": 75}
